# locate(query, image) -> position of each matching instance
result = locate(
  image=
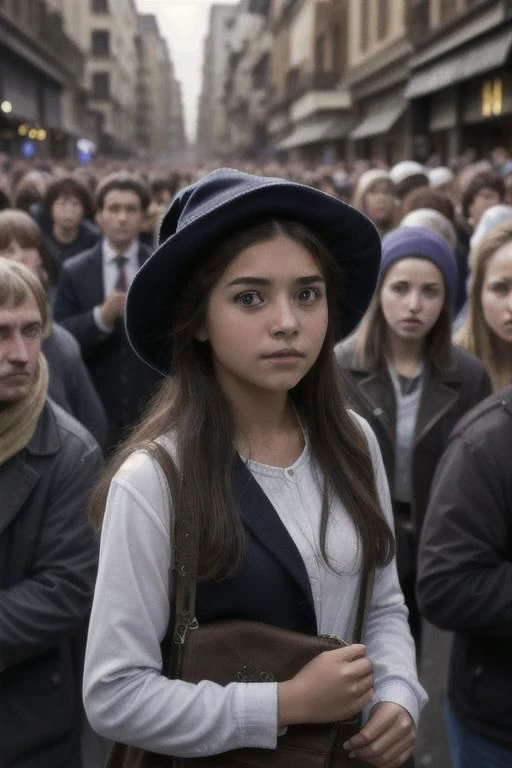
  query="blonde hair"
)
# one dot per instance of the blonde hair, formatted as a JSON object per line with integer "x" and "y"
{"x": 17, "y": 283}
{"x": 474, "y": 335}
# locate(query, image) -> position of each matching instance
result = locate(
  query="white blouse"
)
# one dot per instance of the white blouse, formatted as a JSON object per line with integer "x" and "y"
{"x": 126, "y": 697}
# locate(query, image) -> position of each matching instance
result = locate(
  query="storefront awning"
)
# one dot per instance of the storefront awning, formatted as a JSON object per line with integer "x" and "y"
{"x": 482, "y": 57}
{"x": 326, "y": 128}
{"x": 379, "y": 121}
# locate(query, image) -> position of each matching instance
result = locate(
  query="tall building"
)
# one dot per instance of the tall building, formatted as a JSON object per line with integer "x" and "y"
{"x": 379, "y": 54}
{"x": 42, "y": 103}
{"x": 212, "y": 125}
{"x": 159, "y": 121}
{"x": 111, "y": 71}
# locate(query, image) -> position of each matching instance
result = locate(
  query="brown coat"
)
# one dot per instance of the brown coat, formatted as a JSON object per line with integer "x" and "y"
{"x": 447, "y": 396}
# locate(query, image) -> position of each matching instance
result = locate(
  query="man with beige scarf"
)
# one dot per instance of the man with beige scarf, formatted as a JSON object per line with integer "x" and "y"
{"x": 48, "y": 552}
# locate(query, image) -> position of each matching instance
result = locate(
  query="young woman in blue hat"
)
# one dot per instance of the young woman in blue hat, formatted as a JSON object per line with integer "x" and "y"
{"x": 240, "y": 307}
{"x": 409, "y": 381}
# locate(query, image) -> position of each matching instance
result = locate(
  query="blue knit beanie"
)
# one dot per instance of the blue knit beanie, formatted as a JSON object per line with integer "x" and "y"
{"x": 421, "y": 243}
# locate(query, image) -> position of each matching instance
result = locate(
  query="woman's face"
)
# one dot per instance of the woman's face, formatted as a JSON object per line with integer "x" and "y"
{"x": 28, "y": 256}
{"x": 266, "y": 317}
{"x": 496, "y": 295}
{"x": 379, "y": 202}
{"x": 412, "y": 297}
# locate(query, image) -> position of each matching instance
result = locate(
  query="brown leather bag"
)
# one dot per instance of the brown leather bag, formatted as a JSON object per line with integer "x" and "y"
{"x": 243, "y": 651}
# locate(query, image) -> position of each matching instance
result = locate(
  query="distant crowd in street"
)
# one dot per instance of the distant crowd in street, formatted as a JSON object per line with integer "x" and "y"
{"x": 427, "y": 365}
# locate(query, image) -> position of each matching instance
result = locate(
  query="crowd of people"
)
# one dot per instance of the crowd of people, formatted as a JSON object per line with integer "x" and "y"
{"x": 346, "y": 332}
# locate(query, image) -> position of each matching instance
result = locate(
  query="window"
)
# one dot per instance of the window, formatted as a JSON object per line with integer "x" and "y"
{"x": 365, "y": 22}
{"x": 99, "y": 6}
{"x": 382, "y": 19}
{"x": 100, "y": 43}
{"x": 101, "y": 85}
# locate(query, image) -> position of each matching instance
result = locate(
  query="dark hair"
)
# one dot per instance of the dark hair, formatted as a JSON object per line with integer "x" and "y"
{"x": 165, "y": 184}
{"x": 192, "y": 406}
{"x": 484, "y": 180}
{"x": 371, "y": 335}
{"x": 126, "y": 182}
{"x": 68, "y": 186}
{"x": 425, "y": 197}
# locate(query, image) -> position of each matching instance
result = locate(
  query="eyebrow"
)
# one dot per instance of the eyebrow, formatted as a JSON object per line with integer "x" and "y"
{"x": 263, "y": 281}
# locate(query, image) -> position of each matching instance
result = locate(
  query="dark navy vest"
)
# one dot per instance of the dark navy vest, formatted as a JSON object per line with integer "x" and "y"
{"x": 272, "y": 585}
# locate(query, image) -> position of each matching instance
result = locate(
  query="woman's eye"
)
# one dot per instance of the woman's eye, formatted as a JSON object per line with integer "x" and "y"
{"x": 307, "y": 295}
{"x": 399, "y": 288}
{"x": 431, "y": 292}
{"x": 249, "y": 299}
{"x": 501, "y": 288}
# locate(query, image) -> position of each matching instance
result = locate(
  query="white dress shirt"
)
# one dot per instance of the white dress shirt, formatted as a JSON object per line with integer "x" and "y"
{"x": 111, "y": 274}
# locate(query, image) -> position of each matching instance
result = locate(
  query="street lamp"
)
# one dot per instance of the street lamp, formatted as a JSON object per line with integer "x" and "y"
{"x": 6, "y": 107}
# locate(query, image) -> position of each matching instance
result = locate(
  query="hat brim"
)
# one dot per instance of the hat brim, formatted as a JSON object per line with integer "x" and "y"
{"x": 349, "y": 235}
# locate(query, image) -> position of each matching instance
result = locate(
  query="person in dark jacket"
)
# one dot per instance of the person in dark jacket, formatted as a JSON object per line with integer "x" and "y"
{"x": 70, "y": 384}
{"x": 409, "y": 381}
{"x": 465, "y": 580}
{"x": 90, "y": 302}
{"x": 68, "y": 207}
{"x": 48, "y": 552}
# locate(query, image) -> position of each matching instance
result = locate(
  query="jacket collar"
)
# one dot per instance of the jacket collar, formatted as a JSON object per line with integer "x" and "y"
{"x": 17, "y": 476}
{"x": 440, "y": 392}
{"x": 46, "y": 439}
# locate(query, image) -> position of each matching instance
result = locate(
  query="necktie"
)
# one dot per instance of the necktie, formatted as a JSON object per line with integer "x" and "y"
{"x": 122, "y": 280}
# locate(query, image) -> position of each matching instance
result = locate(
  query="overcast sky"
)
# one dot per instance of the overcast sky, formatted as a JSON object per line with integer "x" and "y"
{"x": 184, "y": 24}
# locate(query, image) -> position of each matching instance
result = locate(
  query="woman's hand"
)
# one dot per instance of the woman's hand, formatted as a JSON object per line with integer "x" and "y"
{"x": 335, "y": 685}
{"x": 387, "y": 739}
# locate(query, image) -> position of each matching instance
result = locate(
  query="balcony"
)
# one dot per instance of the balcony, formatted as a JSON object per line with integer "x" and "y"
{"x": 299, "y": 82}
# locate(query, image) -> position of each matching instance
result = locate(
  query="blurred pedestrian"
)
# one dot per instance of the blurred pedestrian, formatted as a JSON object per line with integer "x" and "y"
{"x": 374, "y": 196}
{"x": 48, "y": 466}
{"x": 465, "y": 580}
{"x": 68, "y": 205}
{"x": 280, "y": 479}
{"x": 407, "y": 176}
{"x": 409, "y": 381}
{"x": 91, "y": 297}
{"x": 487, "y": 327}
{"x": 70, "y": 385}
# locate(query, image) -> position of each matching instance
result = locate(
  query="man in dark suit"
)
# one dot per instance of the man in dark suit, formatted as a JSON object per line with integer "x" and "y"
{"x": 91, "y": 296}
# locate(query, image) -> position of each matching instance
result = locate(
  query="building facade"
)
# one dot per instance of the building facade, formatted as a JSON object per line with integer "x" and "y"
{"x": 212, "y": 123}
{"x": 377, "y": 72}
{"x": 325, "y": 80}
{"x": 42, "y": 100}
{"x": 159, "y": 112}
{"x": 111, "y": 71}
{"x": 460, "y": 82}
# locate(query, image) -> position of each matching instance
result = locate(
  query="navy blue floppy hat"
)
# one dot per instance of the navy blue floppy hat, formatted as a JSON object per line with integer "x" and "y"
{"x": 222, "y": 202}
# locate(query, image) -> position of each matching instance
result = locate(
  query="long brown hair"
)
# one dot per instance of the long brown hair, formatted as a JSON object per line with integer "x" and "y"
{"x": 191, "y": 406}
{"x": 474, "y": 335}
{"x": 371, "y": 335}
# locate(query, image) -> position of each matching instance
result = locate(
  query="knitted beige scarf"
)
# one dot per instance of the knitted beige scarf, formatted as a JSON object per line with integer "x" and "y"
{"x": 18, "y": 420}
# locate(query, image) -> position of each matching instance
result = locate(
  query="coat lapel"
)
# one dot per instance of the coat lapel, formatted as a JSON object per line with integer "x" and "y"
{"x": 440, "y": 394}
{"x": 376, "y": 388}
{"x": 93, "y": 285}
{"x": 17, "y": 480}
{"x": 260, "y": 517}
